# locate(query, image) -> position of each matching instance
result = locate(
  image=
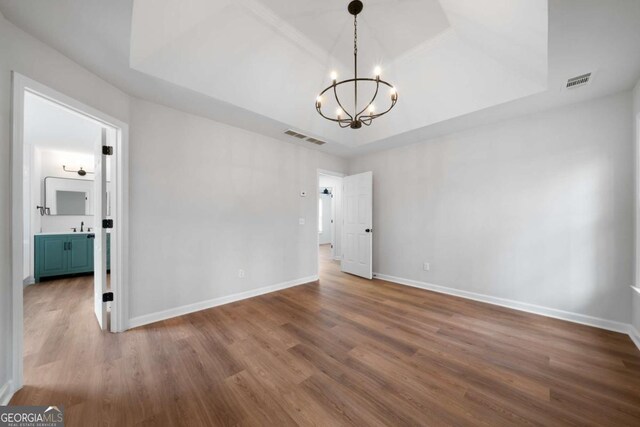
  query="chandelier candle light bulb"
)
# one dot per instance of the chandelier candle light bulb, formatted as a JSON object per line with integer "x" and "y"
{"x": 357, "y": 117}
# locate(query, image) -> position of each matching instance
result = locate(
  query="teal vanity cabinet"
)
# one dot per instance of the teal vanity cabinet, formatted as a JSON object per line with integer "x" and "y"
{"x": 61, "y": 254}
{"x": 50, "y": 256}
{"x": 79, "y": 253}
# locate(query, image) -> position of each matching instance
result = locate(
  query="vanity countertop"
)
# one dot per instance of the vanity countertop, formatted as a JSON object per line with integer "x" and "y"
{"x": 53, "y": 233}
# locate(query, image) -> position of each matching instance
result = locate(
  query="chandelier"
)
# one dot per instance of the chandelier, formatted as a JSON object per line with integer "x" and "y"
{"x": 356, "y": 118}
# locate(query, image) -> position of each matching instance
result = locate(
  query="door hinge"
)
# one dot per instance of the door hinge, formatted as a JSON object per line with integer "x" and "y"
{"x": 107, "y": 223}
{"x": 107, "y": 297}
{"x": 107, "y": 150}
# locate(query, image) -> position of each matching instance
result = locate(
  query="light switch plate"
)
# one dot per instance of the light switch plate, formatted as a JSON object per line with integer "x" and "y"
{"x": 301, "y": 221}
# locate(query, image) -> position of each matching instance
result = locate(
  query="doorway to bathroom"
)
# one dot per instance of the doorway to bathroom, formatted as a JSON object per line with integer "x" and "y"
{"x": 68, "y": 224}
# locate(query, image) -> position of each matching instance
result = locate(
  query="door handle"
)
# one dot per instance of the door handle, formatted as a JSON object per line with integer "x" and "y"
{"x": 368, "y": 230}
{"x": 91, "y": 236}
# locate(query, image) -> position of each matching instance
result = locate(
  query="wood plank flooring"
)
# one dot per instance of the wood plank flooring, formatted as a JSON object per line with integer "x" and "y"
{"x": 341, "y": 351}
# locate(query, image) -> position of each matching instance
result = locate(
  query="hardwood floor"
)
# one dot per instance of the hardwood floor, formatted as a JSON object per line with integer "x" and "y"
{"x": 341, "y": 351}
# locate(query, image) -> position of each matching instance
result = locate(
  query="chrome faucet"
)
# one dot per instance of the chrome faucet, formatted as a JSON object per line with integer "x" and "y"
{"x": 81, "y": 226}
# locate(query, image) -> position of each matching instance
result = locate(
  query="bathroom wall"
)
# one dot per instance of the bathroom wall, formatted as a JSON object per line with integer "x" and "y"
{"x": 51, "y": 166}
{"x": 39, "y": 164}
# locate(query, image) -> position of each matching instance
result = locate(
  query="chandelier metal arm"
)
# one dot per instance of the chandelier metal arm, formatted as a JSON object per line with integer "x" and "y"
{"x": 359, "y": 118}
{"x": 370, "y": 102}
{"x": 339, "y": 121}
{"x": 375, "y": 116}
{"x": 334, "y": 86}
{"x": 332, "y": 119}
{"x": 335, "y": 93}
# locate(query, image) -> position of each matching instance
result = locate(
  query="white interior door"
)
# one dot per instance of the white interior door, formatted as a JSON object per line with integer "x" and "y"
{"x": 100, "y": 243}
{"x": 358, "y": 225}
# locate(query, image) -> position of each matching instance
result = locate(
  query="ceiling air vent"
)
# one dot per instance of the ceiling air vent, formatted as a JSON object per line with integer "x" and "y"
{"x": 295, "y": 134}
{"x": 316, "y": 141}
{"x": 299, "y": 135}
{"x": 578, "y": 81}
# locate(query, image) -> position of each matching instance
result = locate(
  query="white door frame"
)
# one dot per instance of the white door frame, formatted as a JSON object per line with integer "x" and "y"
{"x": 636, "y": 281}
{"x": 119, "y": 280}
{"x": 335, "y": 236}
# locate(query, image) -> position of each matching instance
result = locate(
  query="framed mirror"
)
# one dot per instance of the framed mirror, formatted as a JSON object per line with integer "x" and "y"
{"x": 68, "y": 196}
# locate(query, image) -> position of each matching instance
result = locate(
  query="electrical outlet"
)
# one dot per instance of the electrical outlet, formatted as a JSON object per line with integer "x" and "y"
{"x": 426, "y": 266}
{"x": 241, "y": 273}
{"x": 301, "y": 221}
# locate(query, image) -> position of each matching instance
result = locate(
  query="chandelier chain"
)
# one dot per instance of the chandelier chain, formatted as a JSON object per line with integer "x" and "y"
{"x": 355, "y": 35}
{"x": 355, "y": 62}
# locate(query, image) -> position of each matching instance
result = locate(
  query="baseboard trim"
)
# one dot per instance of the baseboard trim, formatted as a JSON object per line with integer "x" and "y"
{"x": 516, "y": 305}
{"x": 6, "y": 393}
{"x": 203, "y": 305}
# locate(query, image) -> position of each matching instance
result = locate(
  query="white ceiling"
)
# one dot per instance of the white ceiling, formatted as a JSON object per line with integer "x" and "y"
{"x": 447, "y": 57}
{"x": 50, "y": 126}
{"x": 258, "y": 64}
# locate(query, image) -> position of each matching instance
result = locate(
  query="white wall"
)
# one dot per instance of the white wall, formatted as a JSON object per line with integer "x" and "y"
{"x": 28, "y": 56}
{"x": 207, "y": 200}
{"x": 537, "y": 209}
{"x": 635, "y": 314}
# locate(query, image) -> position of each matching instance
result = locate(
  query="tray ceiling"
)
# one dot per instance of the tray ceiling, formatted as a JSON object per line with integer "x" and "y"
{"x": 448, "y": 58}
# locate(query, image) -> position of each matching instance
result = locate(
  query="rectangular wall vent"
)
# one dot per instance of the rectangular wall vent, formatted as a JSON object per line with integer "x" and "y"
{"x": 578, "y": 81}
{"x": 299, "y": 135}
{"x": 295, "y": 134}
{"x": 316, "y": 141}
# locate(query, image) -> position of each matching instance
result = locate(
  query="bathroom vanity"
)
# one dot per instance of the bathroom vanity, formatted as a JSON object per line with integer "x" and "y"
{"x": 59, "y": 254}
